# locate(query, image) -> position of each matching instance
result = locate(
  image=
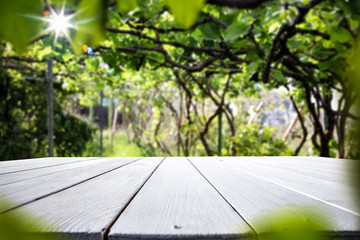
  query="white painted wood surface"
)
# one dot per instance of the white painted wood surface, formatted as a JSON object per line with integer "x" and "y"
{"x": 13, "y": 177}
{"x": 89, "y": 208}
{"x": 176, "y": 198}
{"x": 330, "y": 169}
{"x": 300, "y": 180}
{"x": 19, "y": 193}
{"x": 252, "y": 190}
{"x": 36, "y": 163}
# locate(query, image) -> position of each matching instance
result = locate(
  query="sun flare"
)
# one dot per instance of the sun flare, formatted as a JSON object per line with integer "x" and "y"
{"x": 60, "y": 23}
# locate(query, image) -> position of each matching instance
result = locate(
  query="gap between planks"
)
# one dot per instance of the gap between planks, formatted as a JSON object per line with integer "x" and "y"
{"x": 48, "y": 166}
{"x": 307, "y": 195}
{"x": 196, "y": 162}
{"x": 70, "y": 186}
{"x": 122, "y": 229}
{"x": 106, "y": 231}
{"x": 13, "y": 178}
{"x": 223, "y": 197}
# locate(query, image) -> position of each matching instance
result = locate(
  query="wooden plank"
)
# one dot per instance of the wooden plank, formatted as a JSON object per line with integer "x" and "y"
{"x": 36, "y": 163}
{"x": 341, "y": 180}
{"x": 39, "y": 172}
{"x": 317, "y": 188}
{"x": 337, "y": 169}
{"x": 337, "y": 174}
{"x": 23, "y": 192}
{"x": 254, "y": 197}
{"x": 333, "y": 170}
{"x": 86, "y": 210}
{"x": 178, "y": 202}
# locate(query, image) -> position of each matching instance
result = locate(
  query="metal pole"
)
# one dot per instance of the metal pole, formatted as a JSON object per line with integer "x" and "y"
{"x": 101, "y": 121}
{"x": 111, "y": 109}
{"x": 50, "y": 97}
{"x": 219, "y": 132}
{"x": 110, "y": 113}
{"x": 91, "y": 115}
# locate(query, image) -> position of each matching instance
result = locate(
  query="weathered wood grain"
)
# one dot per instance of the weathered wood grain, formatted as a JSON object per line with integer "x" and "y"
{"x": 199, "y": 198}
{"x": 336, "y": 170}
{"x": 23, "y": 192}
{"x": 86, "y": 210}
{"x": 36, "y": 163}
{"x": 177, "y": 202}
{"x": 333, "y": 189}
{"x": 255, "y": 197}
{"x": 46, "y": 171}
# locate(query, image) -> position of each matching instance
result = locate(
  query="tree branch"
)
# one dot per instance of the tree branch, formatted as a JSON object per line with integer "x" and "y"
{"x": 242, "y": 4}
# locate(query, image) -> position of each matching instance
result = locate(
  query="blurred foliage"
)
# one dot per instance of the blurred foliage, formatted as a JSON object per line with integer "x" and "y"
{"x": 23, "y": 121}
{"x": 71, "y": 135}
{"x": 137, "y": 68}
{"x": 257, "y": 140}
{"x": 148, "y": 89}
{"x": 185, "y": 11}
{"x": 126, "y": 6}
{"x": 121, "y": 146}
{"x": 354, "y": 74}
{"x": 13, "y": 226}
{"x": 285, "y": 225}
{"x": 20, "y": 14}
{"x": 90, "y": 20}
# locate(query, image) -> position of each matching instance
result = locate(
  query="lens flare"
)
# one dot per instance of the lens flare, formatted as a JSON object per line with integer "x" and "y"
{"x": 60, "y": 23}
{"x": 89, "y": 50}
{"x": 84, "y": 47}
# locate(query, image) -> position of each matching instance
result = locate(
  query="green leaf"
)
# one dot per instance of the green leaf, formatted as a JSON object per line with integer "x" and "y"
{"x": 252, "y": 67}
{"x": 67, "y": 56}
{"x": 274, "y": 26}
{"x": 100, "y": 86}
{"x": 236, "y": 30}
{"x": 241, "y": 43}
{"x": 92, "y": 63}
{"x": 334, "y": 144}
{"x": 19, "y": 24}
{"x": 185, "y": 11}
{"x": 341, "y": 35}
{"x": 44, "y": 53}
{"x": 279, "y": 76}
{"x": 127, "y": 5}
{"x": 91, "y": 20}
{"x": 210, "y": 30}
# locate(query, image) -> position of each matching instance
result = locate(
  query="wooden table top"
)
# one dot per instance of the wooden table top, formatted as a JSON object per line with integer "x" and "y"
{"x": 176, "y": 197}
